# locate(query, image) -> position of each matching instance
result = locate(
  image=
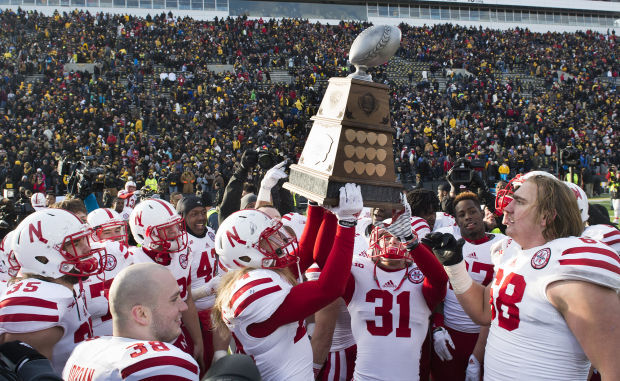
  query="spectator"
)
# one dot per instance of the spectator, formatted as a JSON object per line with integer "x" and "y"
{"x": 188, "y": 179}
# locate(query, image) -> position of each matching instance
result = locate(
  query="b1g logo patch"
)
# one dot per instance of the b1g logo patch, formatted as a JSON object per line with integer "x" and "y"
{"x": 110, "y": 262}
{"x": 541, "y": 258}
{"x": 415, "y": 276}
{"x": 211, "y": 235}
{"x": 183, "y": 260}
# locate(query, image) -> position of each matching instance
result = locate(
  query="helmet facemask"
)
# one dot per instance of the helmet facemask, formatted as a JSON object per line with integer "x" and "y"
{"x": 277, "y": 244}
{"x": 503, "y": 197}
{"x": 170, "y": 237}
{"x": 13, "y": 264}
{"x": 382, "y": 245}
{"x": 120, "y": 236}
{"x": 77, "y": 264}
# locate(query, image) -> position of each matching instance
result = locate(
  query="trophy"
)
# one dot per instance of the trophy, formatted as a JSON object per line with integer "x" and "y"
{"x": 351, "y": 136}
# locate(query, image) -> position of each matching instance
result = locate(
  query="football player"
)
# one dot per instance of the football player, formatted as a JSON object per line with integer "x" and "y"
{"x": 554, "y": 293}
{"x": 333, "y": 346}
{"x": 425, "y": 213}
{"x": 259, "y": 298}
{"x": 146, "y": 308}
{"x": 390, "y": 297}
{"x": 42, "y": 307}
{"x": 160, "y": 231}
{"x": 451, "y": 326}
{"x": 129, "y": 198}
{"x": 204, "y": 271}
{"x": 110, "y": 233}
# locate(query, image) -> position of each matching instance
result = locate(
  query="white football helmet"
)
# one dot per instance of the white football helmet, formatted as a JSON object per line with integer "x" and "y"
{"x": 129, "y": 184}
{"x": 250, "y": 238}
{"x": 156, "y": 225}
{"x": 7, "y": 255}
{"x": 582, "y": 200}
{"x": 38, "y": 201}
{"x": 53, "y": 243}
{"x": 296, "y": 222}
{"x": 104, "y": 222}
{"x": 383, "y": 244}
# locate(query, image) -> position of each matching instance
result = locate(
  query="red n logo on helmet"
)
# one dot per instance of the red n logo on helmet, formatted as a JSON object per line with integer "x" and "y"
{"x": 233, "y": 235}
{"x": 577, "y": 194}
{"x": 37, "y": 232}
{"x": 138, "y": 219}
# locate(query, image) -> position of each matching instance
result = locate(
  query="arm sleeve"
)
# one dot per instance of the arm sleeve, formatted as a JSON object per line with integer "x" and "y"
{"x": 307, "y": 298}
{"x": 308, "y": 238}
{"x": 435, "y": 277}
{"x": 231, "y": 200}
{"x": 325, "y": 239}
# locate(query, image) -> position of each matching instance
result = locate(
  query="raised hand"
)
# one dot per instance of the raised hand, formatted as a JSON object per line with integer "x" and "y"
{"x": 446, "y": 248}
{"x": 350, "y": 205}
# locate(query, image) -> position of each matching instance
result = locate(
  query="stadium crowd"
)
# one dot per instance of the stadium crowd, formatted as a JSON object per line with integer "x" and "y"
{"x": 326, "y": 293}
{"x": 131, "y": 119}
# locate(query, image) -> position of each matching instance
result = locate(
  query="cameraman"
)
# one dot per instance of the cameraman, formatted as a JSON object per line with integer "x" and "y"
{"x": 462, "y": 177}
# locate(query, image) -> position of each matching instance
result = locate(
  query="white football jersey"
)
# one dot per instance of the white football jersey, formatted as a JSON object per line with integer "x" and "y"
{"x": 203, "y": 264}
{"x": 420, "y": 226}
{"x": 389, "y": 319}
{"x": 130, "y": 203}
{"x": 285, "y": 354}
{"x": 32, "y": 305}
{"x": 477, "y": 259}
{"x": 607, "y": 234}
{"x": 343, "y": 336}
{"x": 442, "y": 220}
{"x": 117, "y": 258}
{"x": 118, "y": 358}
{"x": 179, "y": 267}
{"x": 529, "y": 339}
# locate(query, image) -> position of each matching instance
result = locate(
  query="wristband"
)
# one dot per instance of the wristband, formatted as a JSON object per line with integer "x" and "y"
{"x": 459, "y": 277}
{"x": 411, "y": 243}
{"x": 264, "y": 194}
{"x": 219, "y": 354}
{"x": 316, "y": 369}
{"x": 347, "y": 223}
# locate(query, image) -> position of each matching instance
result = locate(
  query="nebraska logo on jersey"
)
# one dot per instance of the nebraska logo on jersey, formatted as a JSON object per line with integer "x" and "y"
{"x": 110, "y": 262}
{"x": 183, "y": 260}
{"x": 541, "y": 258}
{"x": 415, "y": 276}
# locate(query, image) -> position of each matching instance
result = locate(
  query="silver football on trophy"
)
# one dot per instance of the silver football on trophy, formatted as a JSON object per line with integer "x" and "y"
{"x": 374, "y": 46}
